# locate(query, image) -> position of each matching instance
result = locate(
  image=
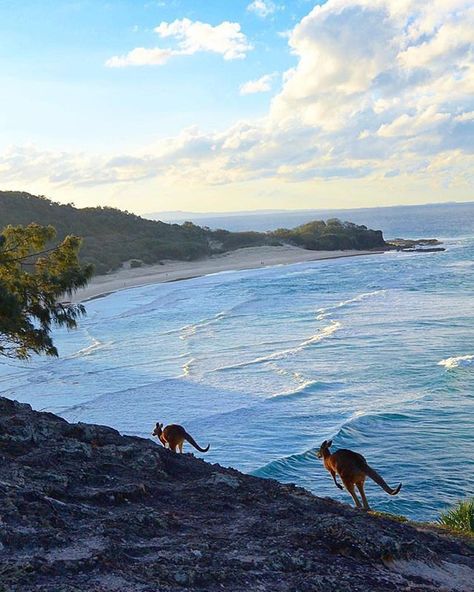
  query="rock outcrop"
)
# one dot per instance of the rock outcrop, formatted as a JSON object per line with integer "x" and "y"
{"x": 84, "y": 508}
{"x": 421, "y": 245}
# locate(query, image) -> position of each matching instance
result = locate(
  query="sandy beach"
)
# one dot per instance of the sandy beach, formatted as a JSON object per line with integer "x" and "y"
{"x": 170, "y": 271}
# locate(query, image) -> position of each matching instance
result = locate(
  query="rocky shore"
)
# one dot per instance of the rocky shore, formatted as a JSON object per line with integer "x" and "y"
{"x": 83, "y": 508}
{"x": 421, "y": 245}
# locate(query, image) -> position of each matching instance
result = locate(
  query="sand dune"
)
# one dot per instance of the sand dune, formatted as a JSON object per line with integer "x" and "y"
{"x": 248, "y": 258}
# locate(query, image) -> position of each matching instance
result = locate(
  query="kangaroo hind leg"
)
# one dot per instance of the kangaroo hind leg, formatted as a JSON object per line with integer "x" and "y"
{"x": 350, "y": 489}
{"x": 360, "y": 487}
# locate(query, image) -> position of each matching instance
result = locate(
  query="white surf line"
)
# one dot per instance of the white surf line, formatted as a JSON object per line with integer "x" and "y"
{"x": 318, "y": 337}
{"x": 325, "y": 312}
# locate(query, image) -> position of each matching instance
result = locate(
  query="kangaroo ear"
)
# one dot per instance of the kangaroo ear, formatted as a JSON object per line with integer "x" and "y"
{"x": 324, "y": 444}
{"x": 329, "y": 444}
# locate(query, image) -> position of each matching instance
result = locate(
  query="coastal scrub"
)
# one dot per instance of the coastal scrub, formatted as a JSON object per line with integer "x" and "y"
{"x": 459, "y": 517}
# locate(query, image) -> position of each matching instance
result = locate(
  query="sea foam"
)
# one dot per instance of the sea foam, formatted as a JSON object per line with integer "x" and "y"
{"x": 457, "y": 362}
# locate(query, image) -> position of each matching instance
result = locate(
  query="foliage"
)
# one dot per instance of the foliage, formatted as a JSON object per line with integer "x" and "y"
{"x": 33, "y": 278}
{"x": 459, "y": 517}
{"x": 331, "y": 235}
{"x": 111, "y": 237}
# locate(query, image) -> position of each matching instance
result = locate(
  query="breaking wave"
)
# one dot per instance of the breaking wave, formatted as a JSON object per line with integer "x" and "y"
{"x": 324, "y": 312}
{"x": 96, "y": 345}
{"x": 351, "y": 431}
{"x": 189, "y": 330}
{"x": 457, "y": 362}
{"x": 187, "y": 367}
{"x": 285, "y": 353}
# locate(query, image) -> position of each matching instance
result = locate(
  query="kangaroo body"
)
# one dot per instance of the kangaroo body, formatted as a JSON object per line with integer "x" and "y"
{"x": 353, "y": 469}
{"x": 174, "y": 436}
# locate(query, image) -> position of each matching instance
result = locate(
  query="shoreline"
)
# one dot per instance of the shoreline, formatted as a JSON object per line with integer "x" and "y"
{"x": 172, "y": 270}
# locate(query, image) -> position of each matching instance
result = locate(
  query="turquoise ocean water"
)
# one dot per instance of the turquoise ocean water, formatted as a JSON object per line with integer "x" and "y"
{"x": 374, "y": 352}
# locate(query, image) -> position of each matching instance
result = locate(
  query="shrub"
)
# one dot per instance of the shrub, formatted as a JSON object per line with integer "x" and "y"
{"x": 460, "y": 516}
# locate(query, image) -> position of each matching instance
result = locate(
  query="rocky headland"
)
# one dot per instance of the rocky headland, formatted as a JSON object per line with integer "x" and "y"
{"x": 84, "y": 508}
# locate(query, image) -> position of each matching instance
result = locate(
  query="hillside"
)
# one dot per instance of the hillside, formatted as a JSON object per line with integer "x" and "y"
{"x": 84, "y": 508}
{"x": 112, "y": 236}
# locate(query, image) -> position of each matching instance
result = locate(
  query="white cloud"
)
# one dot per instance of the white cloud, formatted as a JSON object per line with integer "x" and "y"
{"x": 225, "y": 39}
{"x": 352, "y": 59}
{"x": 261, "y": 85}
{"x": 140, "y": 56}
{"x": 468, "y": 116}
{"x": 262, "y": 8}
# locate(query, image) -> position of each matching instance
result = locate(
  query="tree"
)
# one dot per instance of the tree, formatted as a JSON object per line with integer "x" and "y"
{"x": 34, "y": 276}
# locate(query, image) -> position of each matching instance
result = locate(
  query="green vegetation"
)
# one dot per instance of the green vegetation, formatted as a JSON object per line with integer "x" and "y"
{"x": 331, "y": 235}
{"x": 459, "y": 517}
{"x": 33, "y": 278}
{"x": 111, "y": 236}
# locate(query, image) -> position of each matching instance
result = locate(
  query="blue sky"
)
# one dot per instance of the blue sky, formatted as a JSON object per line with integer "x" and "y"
{"x": 237, "y": 104}
{"x": 52, "y": 61}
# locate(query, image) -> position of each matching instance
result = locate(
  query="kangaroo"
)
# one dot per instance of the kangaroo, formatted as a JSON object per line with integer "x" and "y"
{"x": 352, "y": 469}
{"x": 175, "y": 435}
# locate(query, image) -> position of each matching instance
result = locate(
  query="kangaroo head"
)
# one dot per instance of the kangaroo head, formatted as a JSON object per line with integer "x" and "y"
{"x": 325, "y": 446}
{"x": 158, "y": 430}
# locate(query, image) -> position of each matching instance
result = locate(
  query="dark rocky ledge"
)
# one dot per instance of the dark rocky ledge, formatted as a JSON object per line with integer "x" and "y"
{"x": 84, "y": 508}
{"x": 420, "y": 245}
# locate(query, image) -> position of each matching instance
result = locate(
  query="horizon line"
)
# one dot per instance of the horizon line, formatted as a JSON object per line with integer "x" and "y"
{"x": 302, "y": 210}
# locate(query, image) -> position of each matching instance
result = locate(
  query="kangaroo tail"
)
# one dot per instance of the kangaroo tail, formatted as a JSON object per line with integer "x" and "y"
{"x": 372, "y": 473}
{"x": 193, "y": 442}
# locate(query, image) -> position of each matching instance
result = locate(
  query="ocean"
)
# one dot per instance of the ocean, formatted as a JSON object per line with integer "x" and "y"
{"x": 375, "y": 352}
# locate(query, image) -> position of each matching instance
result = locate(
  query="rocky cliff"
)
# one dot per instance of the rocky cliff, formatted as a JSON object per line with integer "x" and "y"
{"x": 84, "y": 508}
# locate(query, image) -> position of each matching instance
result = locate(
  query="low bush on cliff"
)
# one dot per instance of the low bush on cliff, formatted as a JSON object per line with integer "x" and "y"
{"x": 459, "y": 517}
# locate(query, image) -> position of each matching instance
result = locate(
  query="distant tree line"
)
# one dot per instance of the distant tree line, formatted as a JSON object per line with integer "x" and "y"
{"x": 111, "y": 236}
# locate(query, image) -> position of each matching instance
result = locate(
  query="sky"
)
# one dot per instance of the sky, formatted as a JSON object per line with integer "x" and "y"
{"x": 227, "y": 105}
